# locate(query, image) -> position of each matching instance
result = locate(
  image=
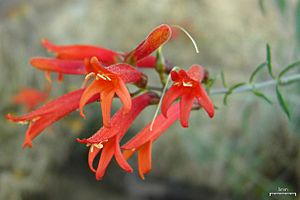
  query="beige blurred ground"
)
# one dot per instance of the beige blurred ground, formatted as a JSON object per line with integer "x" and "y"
{"x": 247, "y": 150}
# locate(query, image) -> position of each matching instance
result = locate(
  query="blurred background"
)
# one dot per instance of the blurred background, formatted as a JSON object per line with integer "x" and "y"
{"x": 249, "y": 149}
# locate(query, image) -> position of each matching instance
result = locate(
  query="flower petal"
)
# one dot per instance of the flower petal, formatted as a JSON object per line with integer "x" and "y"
{"x": 172, "y": 94}
{"x": 89, "y": 67}
{"x": 186, "y": 104}
{"x": 35, "y": 128}
{"x": 121, "y": 159}
{"x": 196, "y": 72}
{"x": 60, "y": 66}
{"x": 89, "y": 92}
{"x": 93, "y": 152}
{"x": 126, "y": 72}
{"x": 80, "y": 52}
{"x": 128, "y": 153}
{"x": 124, "y": 96}
{"x": 106, "y": 102}
{"x": 205, "y": 102}
{"x": 145, "y": 159}
{"x": 106, "y": 156}
{"x": 153, "y": 41}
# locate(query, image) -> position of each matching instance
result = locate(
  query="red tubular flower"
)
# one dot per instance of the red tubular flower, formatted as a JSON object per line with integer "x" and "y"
{"x": 107, "y": 139}
{"x": 30, "y": 98}
{"x": 81, "y": 52}
{"x": 48, "y": 114}
{"x": 126, "y": 72}
{"x": 107, "y": 84}
{"x": 142, "y": 142}
{"x": 153, "y": 41}
{"x": 187, "y": 86}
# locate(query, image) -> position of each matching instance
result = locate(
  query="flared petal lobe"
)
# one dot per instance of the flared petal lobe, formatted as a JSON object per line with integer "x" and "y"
{"x": 88, "y": 93}
{"x": 186, "y": 104}
{"x": 173, "y": 93}
{"x": 205, "y": 102}
{"x": 145, "y": 159}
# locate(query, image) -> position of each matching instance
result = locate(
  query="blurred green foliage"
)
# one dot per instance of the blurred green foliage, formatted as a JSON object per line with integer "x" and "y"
{"x": 246, "y": 151}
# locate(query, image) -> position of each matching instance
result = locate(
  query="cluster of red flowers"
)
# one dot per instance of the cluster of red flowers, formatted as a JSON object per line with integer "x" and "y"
{"x": 111, "y": 71}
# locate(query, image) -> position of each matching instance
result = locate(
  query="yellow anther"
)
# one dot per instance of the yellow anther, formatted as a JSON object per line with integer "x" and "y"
{"x": 108, "y": 78}
{"x": 92, "y": 146}
{"x": 99, "y": 145}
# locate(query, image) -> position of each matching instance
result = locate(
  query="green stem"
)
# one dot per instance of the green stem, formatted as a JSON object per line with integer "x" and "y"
{"x": 249, "y": 87}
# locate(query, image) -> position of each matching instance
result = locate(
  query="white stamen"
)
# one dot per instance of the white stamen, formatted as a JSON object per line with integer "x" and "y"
{"x": 99, "y": 145}
{"x": 101, "y": 76}
{"x": 89, "y": 75}
{"x": 188, "y": 84}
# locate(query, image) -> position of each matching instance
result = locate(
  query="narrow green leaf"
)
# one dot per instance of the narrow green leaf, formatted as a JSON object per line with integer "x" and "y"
{"x": 282, "y": 102}
{"x": 297, "y": 22}
{"x": 289, "y": 67}
{"x": 230, "y": 90}
{"x": 225, "y": 98}
{"x": 223, "y": 79}
{"x": 269, "y": 60}
{"x": 262, "y": 96}
{"x": 258, "y": 68}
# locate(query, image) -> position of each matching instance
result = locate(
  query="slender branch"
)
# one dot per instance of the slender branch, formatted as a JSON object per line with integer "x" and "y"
{"x": 249, "y": 87}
